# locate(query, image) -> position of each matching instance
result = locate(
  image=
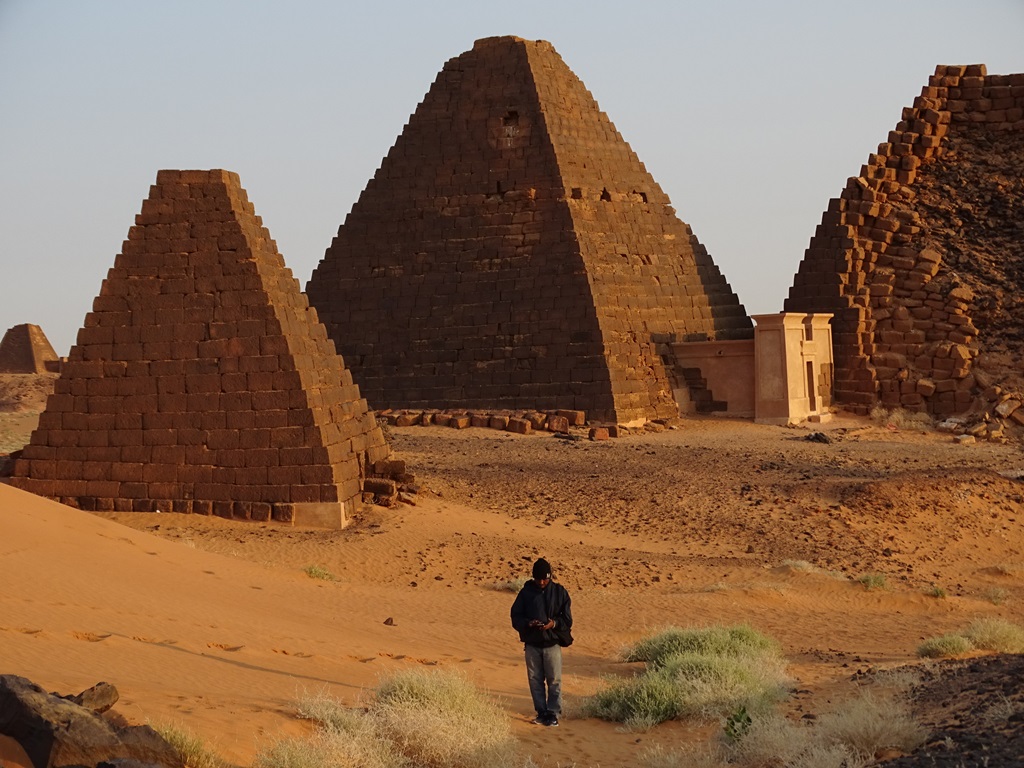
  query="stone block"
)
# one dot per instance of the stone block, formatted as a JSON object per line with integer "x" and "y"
{"x": 519, "y": 426}
{"x": 557, "y": 424}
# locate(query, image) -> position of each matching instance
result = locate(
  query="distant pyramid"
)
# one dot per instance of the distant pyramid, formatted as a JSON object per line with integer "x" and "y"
{"x": 921, "y": 258}
{"x": 202, "y": 381}
{"x": 513, "y": 252}
{"x": 25, "y": 349}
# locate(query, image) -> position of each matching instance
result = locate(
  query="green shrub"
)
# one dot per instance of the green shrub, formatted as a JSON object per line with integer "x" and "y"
{"x": 996, "y": 635}
{"x": 638, "y": 703}
{"x": 711, "y": 641}
{"x": 936, "y": 592}
{"x": 944, "y": 646}
{"x": 693, "y": 673}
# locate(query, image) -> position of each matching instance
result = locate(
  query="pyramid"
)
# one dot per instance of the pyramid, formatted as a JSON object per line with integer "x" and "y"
{"x": 921, "y": 258}
{"x": 512, "y": 252}
{"x": 25, "y": 349}
{"x": 202, "y": 381}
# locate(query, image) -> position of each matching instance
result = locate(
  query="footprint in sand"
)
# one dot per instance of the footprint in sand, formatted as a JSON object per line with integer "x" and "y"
{"x": 297, "y": 654}
{"x": 89, "y": 637}
{"x": 153, "y": 641}
{"x": 225, "y": 647}
{"x": 26, "y": 630}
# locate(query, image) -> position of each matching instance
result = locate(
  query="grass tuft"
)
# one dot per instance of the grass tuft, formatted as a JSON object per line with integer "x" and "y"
{"x": 427, "y": 719}
{"x": 872, "y": 581}
{"x": 996, "y": 635}
{"x": 848, "y": 737}
{"x": 511, "y": 585}
{"x": 944, "y": 646}
{"x": 189, "y": 747}
{"x": 996, "y": 595}
{"x": 693, "y": 673}
{"x": 318, "y": 572}
{"x": 936, "y": 592}
{"x": 868, "y": 723}
{"x": 900, "y": 418}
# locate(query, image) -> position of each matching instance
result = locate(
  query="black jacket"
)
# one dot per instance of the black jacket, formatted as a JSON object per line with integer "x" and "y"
{"x": 532, "y": 602}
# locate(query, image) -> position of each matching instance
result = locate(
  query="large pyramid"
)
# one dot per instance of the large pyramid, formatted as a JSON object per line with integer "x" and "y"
{"x": 921, "y": 258}
{"x": 513, "y": 252}
{"x": 202, "y": 381}
{"x": 25, "y": 349}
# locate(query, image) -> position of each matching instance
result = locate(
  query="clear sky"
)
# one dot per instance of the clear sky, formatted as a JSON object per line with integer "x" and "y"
{"x": 750, "y": 115}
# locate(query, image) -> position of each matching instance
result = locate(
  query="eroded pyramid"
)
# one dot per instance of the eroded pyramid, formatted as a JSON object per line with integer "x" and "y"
{"x": 513, "y": 252}
{"x": 921, "y": 258}
{"x": 202, "y": 381}
{"x": 25, "y": 349}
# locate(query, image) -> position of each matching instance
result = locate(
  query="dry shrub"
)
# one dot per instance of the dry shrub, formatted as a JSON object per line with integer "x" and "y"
{"x": 900, "y": 418}
{"x": 996, "y": 595}
{"x": 772, "y": 737}
{"x": 189, "y": 747}
{"x": 426, "y": 714}
{"x": 996, "y": 635}
{"x": 434, "y": 719}
{"x": 868, "y": 723}
{"x": 849, "y": 737}
{"x": 682, "y": 757}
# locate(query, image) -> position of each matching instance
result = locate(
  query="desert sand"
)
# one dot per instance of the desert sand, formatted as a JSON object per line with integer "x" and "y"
{"x": 213, "y": 624}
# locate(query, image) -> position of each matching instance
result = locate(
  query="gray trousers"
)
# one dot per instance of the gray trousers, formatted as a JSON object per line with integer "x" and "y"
{"x": 544, "y": 667}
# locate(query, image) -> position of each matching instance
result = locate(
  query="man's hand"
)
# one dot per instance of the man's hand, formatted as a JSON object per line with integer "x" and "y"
{"x": 549, "y": 625}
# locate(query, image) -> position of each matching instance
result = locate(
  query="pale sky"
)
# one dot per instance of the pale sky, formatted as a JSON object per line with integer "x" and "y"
{"x": 750, "y": 115}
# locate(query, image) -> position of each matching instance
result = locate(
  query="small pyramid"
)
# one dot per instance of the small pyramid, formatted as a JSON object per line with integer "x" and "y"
{"x": 921, "y": 258}
{"x": 202, "y": 381}
{"x": 25, "y": 349}
{"x": 512, "y": 252}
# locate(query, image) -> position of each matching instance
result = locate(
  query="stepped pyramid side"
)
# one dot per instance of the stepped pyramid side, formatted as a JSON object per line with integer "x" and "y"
{"x": 202, "y": 380}
{"x": 921, "y": 257}
{"x": 25, "y": 349}
{"x": 467, "y": 275}
{"x": 651, "y": 279}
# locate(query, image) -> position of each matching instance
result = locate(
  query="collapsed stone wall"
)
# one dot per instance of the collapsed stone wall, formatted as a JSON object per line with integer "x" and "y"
{"x": 512, "y": 252}
{"x": 25, "y": 349}
{"x": 201, "y": 380}
{"x": 921, "y": 258}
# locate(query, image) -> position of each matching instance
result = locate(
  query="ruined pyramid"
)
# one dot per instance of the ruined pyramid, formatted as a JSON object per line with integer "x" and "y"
{"x": 921, "y": 258}
{"x": 25, "y": 349}
{"x": 512, "y": 252}
{"x": 202, "y": 381}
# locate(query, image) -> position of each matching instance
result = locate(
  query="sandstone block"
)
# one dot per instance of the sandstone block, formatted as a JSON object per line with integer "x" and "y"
{"x": 557, "y": 424}
{"x": 519, "y": 426}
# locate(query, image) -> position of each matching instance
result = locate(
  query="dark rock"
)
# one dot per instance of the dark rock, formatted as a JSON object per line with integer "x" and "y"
{"x": 818, "y": 437}
{"x": 55, "y": 731}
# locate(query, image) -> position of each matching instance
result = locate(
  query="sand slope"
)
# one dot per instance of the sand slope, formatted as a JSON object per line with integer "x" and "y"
{"x": 214, "y": 625}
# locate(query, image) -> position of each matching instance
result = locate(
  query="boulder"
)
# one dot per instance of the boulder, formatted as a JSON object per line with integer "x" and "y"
{"x": 55, "y": 731}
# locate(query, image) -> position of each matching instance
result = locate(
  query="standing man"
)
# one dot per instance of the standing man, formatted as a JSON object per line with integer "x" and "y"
{"x": 542, "y": 616}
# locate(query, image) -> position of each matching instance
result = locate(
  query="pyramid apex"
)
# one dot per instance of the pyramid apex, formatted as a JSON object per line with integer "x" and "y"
{"x": 502, "y": 40}
{"x": 169, "y": 176}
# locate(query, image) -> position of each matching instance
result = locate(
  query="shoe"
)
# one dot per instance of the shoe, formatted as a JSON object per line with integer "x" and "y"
{"x": 540, "y": 719}
{"x": 551, "y": 721}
